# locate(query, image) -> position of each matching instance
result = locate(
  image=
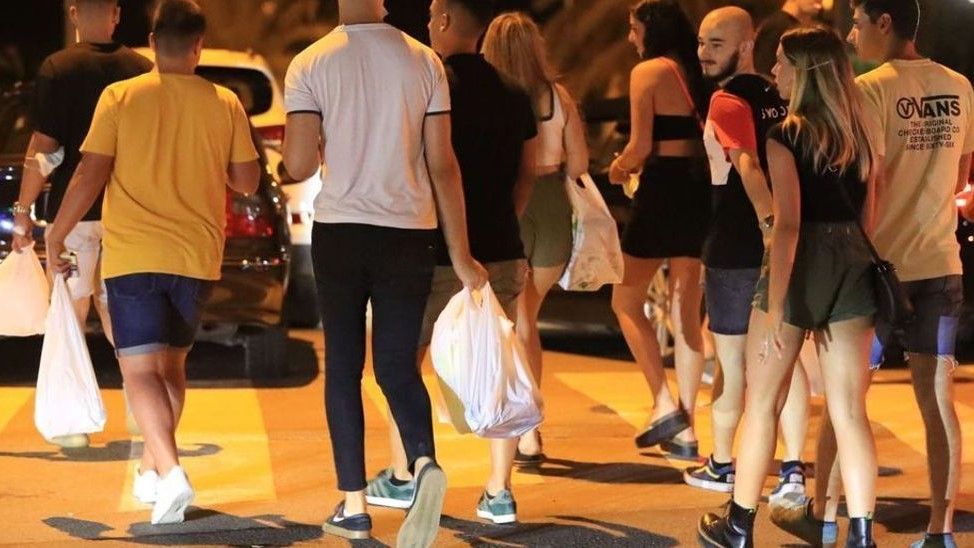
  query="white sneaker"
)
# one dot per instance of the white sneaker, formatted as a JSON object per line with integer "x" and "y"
{"x": 174, "y": 495}
{"x": 145, "y": 486}
{"x": 71, "y": 441}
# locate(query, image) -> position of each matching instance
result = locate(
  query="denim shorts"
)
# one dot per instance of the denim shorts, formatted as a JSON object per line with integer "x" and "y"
{"x": 155, "y": 312}
{"x": 729, "y": 293}
{"x": 937, "y": 303}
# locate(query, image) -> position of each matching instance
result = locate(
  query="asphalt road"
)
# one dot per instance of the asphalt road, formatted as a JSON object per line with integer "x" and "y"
{"x": 260, "y": 460}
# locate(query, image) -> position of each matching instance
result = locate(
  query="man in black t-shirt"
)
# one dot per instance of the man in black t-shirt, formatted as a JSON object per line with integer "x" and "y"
{"x": 740, "y": 114}
{"x": 67, "y": 89}
{"x": 493, "y": 132}
{"x": 793, "y": 13}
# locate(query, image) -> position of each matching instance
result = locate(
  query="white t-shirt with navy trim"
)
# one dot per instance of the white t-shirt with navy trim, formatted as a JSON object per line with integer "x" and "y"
{"x": 373, "y": 86}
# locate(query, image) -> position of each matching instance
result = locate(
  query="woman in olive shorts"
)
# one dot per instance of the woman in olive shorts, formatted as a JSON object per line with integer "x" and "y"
{"x": 513, "y": 44}
{"x": 670, "y": 214}
{"x": 819, "y": 279}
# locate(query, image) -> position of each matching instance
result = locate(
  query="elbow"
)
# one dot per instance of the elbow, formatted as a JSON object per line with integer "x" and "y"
{"x": 299, "y": 171}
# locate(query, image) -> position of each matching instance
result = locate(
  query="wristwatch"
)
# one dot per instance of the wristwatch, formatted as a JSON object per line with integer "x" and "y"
{"x": 20, "y": 209}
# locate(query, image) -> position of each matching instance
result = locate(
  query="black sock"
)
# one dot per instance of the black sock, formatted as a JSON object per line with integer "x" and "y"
{"x": 398, "y": 482}
{"x": 718, "y": 464}
{"x": 786, "y": 465}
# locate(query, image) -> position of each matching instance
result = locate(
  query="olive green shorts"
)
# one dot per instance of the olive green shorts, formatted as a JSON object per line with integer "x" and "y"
{"x": 546, "y": 226}
{"x": 832, "y": 279}
{"x": 507, "y": 279}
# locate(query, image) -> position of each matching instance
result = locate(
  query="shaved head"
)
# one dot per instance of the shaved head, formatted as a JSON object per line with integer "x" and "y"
{"x": 734, "y": 23}
{"x": 726, "y": 43}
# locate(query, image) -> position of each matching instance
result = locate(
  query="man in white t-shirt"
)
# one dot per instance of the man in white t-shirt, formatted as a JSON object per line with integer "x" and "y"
{"x": 924, "y": 118}
{"x": 373, "y": 104}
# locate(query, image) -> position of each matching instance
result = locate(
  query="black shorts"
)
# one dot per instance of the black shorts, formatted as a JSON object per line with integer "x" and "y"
{"x": 671, "y": 210}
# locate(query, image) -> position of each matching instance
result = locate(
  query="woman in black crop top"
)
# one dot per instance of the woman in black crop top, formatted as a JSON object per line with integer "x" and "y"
{"x": 819, "y": 279}
{"x": 670, "y": 214}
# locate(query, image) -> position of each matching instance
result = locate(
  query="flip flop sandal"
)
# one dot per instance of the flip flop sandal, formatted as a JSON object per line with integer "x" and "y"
{"x": 680, "y": 450}
{"x": 663, "y": 429}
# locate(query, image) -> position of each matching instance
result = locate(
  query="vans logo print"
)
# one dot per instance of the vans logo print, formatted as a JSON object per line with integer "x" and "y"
{"x": 930, "y": 123}
{"x": 928, "y": 107}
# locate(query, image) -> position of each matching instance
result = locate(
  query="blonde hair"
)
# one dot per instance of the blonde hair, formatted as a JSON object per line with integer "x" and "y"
{"x": 514, "y": 46}
{"x": 825, "y": 102}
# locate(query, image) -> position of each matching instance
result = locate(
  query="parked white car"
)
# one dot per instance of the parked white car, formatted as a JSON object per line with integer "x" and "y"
{"x": 249, "y": 75}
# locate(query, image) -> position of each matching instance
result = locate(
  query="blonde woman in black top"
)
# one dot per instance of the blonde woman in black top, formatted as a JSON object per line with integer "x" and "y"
{"x": 819, "y": 280}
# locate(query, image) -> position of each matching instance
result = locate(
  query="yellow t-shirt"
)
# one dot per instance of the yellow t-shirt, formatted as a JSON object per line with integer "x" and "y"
{"x": 924, "y": 113}
{"x": 173, "y": 137}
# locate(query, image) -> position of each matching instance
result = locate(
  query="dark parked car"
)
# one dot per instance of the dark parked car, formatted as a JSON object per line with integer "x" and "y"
{"x": 245, "y": 307}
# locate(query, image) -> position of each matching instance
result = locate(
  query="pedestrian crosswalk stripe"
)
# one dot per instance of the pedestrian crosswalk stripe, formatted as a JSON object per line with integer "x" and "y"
{"x": 240, "y": 468}
{"x": 11, "y": 403}
{"x": 894, "y": 406}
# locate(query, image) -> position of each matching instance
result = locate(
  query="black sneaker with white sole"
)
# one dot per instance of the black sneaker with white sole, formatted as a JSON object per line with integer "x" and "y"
{"x": 355, "y": 527}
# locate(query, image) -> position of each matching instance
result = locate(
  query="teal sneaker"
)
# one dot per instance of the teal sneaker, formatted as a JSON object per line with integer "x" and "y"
{"x": 381, "y": 491}
{"x": 501, "y": 508}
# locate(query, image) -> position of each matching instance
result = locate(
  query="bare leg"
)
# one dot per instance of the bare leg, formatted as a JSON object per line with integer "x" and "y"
{"x": 828, "y": 480}
{"x": 685, "y": 296}
{"x": 794, "y": 416}
{"x": 934, "y": 390}
{"x": 146, "y": 387}
{"x": 539, "y": 281}
{"x": 501, "y": 464}
{"x": 174, "y": 380}
{"x": 728, "y": 398}
{"x": 767, "y": 378}
{"x": 628, "y": 301}
{"x": 843, "y": 351}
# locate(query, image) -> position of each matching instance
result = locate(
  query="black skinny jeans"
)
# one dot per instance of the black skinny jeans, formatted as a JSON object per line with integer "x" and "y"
{"x": 354, "y": 263}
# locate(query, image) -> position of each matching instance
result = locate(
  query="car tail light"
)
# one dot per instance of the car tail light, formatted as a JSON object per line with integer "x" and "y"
{"x": 248, "y": 217}
{"x": 273, "y": 135}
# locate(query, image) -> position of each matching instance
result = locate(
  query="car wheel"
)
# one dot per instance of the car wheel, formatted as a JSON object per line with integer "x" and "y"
{"x": 301, "y": 303}
{"x": 265, "y": 352}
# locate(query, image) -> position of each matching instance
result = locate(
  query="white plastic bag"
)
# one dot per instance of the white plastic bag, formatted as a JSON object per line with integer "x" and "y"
{"x": 483, "y": 368}
{"x": 67, "y": 400}
{"x": 24, "y": 293}
{"x": 596, "y": 252}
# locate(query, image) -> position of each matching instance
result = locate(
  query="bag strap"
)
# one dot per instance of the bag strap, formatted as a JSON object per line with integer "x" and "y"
{"x": 848, "y": 203}
{"x": 683, "y": 87}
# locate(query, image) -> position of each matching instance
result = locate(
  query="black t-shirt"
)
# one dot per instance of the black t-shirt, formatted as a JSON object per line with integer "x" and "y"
{"x": 768, "y": 37}
{"x": 67, "y": 89}
{"x": 734, "y": 240}
{"x": 491, "y": 121}
{"x": 821, "y": 197}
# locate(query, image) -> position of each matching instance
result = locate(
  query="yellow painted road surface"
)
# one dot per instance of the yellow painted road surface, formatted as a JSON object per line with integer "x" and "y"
{"x": 260, "y": 460}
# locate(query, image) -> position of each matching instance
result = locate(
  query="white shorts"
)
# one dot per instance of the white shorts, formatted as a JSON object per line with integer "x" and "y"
{"x": 85, "y": 242}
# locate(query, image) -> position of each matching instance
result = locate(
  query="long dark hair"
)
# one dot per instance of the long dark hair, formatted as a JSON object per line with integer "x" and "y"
{"x": 668, "y": 30}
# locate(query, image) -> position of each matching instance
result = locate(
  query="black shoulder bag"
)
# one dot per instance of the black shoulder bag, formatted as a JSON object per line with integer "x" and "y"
{"x": 895, "y": 307}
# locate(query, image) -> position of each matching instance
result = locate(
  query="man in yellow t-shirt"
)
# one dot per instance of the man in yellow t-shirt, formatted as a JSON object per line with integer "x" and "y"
{"x": 924, "y": 116}
{"x": 167, "y": 144}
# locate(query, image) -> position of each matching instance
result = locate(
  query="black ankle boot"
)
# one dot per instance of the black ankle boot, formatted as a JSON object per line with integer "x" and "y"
{"x": 860, "y": 533}
{"x": 735, "y": 530}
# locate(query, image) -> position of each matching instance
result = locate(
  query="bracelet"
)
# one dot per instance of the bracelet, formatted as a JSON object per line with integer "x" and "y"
{"x": 20, "y": 209}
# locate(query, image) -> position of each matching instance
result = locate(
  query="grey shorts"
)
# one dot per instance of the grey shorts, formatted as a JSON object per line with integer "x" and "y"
{"x": 937, "y": 302}
{"x": 507, "y": 279}
{"x": 546, "y": 226}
